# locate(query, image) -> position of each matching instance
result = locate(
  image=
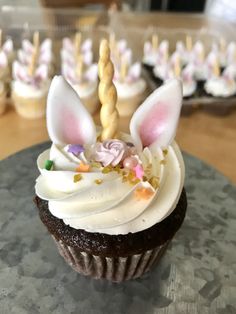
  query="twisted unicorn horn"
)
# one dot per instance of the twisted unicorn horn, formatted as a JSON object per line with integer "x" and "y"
{"x": 107, "y": 94}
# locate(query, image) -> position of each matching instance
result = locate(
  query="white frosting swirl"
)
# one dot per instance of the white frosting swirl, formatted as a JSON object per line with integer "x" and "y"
{"x": 30, "y": 91}
{"x": 189, "y": 87}
{"x": 86, "y": 89}
{"x": 109, "y": 207}
{"x": 220, "y": 87}
{"x": 127, "y": 90}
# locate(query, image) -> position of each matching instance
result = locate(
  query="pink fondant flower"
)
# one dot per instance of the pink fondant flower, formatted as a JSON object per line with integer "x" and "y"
{"x": 110, "y": 152}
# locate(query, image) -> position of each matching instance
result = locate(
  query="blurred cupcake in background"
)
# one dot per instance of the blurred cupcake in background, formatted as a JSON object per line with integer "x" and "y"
{"x": 220, "y": 85}
{"x": 3, "y": 83}
{"x": 45, "y": 54}
{"x": 30, "y": 85}
{"x": 154, "y": 53}
{"x": 6, "y": 56}
{"x": 79, "y": 70}
{"x": 131, "y": 87}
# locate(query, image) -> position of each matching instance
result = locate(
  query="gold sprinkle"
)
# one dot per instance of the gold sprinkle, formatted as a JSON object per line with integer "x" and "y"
{"x": 98, "y": 181}
{"x": 165, "y": 151}
{"x": 96, "y": 165}
{"x": 154, "y": 181}
{"x": 77, "y": 177}
{"x": 106, "y": 170}
{"x": 163, "y": 162}
{"x": 117, "y": 168}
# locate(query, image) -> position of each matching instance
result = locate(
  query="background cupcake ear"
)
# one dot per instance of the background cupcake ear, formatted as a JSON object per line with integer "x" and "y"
{"x": 3, "y": 60}
{"x": 68, "y": 121}
{"x": 7, "y": 47}
{"x": 155, "y": 121}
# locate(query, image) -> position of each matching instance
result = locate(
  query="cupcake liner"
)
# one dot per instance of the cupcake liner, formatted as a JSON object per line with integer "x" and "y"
{"x": 116, "y": 269}
{"x": 30, "y": 108}
{"x": 3, "y": 102}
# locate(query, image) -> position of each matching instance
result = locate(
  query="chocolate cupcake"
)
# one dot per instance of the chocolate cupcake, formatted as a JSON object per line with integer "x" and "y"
{"x": 112, "y": 201}
{"x": 113, "y": 257}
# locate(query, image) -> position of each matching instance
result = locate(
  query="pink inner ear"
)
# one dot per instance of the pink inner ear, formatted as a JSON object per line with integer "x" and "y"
{"x": 70, "y": 128}
{"x": 154, "y": 124}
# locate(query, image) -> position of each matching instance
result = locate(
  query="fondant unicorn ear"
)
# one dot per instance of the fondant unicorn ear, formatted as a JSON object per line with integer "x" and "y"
{"x": 7, "y": 47}
{"x": 67, "y": 44}
{"x": 147, "y": 48}
{"x": 92, "y": 73}
{"x": 3, "y": 60}
{"x": 45, "y": 56}
{"x": 155, "y": 121}
{"x": 46, "y": 45}
{"x": 41, "y": 72}
{"x": 27, "y": 46}
{"x": 23, "y": 57}
{"x": 88, "y": 57}
{"x": 87, "y": 45}
{"x": 68, "y": 121}
{"x": 135, "y": 70}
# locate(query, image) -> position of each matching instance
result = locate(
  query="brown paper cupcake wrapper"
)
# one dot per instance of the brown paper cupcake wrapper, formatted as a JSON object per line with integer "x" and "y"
{"x": 3, "y": 102}
{"x": 30, "y": 108}
{"x": 116, "y": 269}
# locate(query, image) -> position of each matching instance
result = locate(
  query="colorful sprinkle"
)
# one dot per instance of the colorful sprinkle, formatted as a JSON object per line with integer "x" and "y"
{"x": 83, "y": 167}
{"x": 76, "y": 149}
{"x": 48, "y": 164}
{"x": 143, "y": 193}
{"x": 139, "y": 171}
{"x": 154, "y": 181}
{"x": 98, "y": 181}
{"x": 77, "y": 177}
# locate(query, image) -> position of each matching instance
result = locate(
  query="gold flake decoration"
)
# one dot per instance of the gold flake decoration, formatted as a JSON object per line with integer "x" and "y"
{"x": 77, "y": 177}
{"x": 163, "y": 162}
{"x": 154, "y": 181}
{"x": 98, "y": 181}
{"x": 165, "y": 151}
{"x": 107, "y": 169}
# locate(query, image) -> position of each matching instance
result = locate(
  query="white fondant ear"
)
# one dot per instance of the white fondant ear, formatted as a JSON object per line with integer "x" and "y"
{"x": 92, "y": 73}
{"x": 8, "y": 46}
{"x": 135, "y": 70}
{"x": 69, "y": 73}
{"x": 67, "y": 57}
{"x": 88, "y": 57}
{"x": 23, "y": 57}
{"x": 3, "y": 60}
{"x": 128, "y": 56}
{"x": 41, "y": 72}
{"x": 155, "y": 121}
{"x": 19, "y": 72}
{"x": 122, "y": 45}
{"x": 86, "y": 46}
{"x": 67, "y": 44}
{"x": 68, "y": 121}
{"x": 27, "y": 46}
{"x": 45, "y": 56}
{"x": 147, "y": 48}
{"x": 188, "y": 71}
{"x": 46, "y": 45}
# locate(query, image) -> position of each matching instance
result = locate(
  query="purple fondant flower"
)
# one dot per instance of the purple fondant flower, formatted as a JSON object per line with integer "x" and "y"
{"x": 76, "y": 149}
{"x": 110, "y": 152}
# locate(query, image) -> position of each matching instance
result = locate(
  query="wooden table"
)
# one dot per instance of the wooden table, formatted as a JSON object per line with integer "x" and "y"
{"x": 207, "y": 137}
